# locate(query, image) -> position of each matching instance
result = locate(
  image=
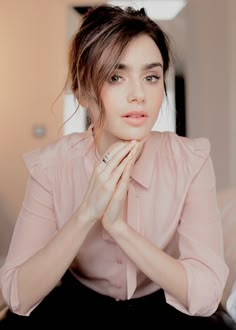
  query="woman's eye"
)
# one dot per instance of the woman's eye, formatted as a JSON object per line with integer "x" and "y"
{"x": 115, "y": 78}
{"x": 152, "y": 78}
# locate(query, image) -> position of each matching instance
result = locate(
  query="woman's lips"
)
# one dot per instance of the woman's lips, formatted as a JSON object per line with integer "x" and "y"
{"x": 135, "y": 118}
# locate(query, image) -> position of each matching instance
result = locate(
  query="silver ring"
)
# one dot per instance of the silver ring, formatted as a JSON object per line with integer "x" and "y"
{"x": 106, "y": 159}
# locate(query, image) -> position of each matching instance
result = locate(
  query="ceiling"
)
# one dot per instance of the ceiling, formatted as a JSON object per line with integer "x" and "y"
{"x": 157, "y": 10}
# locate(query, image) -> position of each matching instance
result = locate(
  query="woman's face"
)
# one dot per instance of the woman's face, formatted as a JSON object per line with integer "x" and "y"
{"x": 133, "y": 95}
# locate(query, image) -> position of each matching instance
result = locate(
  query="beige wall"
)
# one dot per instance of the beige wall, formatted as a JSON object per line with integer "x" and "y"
{"x": 203, "y": 37}
{"x": 33, "y": 41}
{"x": 232, "y": 86}
{"x": 32, "y": 74}
{"x": 208, "y": 83}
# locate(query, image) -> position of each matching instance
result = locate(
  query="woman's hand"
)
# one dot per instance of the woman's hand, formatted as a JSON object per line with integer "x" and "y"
{"x": 114, "y": 213}
{"x": 105, "y": 179}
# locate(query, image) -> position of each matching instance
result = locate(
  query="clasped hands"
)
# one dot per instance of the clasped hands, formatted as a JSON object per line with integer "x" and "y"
{"x": 107, "y": 192}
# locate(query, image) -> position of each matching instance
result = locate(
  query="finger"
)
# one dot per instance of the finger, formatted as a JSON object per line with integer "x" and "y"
{"x": 120, "y": 155}
{"x": 112, "y": 151}
{"x": 114, "y": 148}
{"x": 123, "y": 183}
{"x": 139, "y": 150}
{"x": 123, "y": 171}
{"x": 118, "y": 172}
{"x": 116, "y": 156}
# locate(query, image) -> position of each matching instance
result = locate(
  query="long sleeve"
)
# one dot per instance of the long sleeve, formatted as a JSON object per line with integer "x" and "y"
{"x": 34, "y": 227}
{"x": 231, "y": 303}
{"x": 201, "y": 245}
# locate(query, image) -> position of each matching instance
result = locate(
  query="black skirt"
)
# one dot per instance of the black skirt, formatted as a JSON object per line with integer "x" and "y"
{"x": 75, "y": 305}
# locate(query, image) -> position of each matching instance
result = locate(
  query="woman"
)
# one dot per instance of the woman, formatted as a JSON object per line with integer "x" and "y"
{"x": 123, "y": 218}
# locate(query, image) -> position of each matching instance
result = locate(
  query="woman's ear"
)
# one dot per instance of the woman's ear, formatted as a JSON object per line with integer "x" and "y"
{"x": 82, "y": 99}
{"x": 84, "y": 102}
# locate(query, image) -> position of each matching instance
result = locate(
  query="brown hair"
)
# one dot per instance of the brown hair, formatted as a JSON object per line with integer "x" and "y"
{"x": 97, "y": 46}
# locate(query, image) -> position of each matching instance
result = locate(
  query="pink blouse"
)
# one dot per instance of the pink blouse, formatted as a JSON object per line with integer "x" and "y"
{"x": 171, "y": 201}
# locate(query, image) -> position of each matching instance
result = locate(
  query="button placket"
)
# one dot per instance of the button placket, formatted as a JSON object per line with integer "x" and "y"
{"x": 133, "y": 219}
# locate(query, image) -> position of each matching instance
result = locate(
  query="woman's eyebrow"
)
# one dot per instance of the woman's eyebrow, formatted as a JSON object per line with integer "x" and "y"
{"x": 152, "y": 65}
{"x": 121, "y": 66}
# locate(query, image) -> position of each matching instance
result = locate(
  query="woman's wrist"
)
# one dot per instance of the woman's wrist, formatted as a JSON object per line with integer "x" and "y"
{"x": 115, "y": 229}
{"x": 83, "y": 215}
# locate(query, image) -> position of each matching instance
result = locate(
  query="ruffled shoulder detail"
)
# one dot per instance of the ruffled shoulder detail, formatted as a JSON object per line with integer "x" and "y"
{"x": 200, "y": 147}
{"x": 192, "y": 153}
{"x": 179, "y": 145}
{"x": 36, "y": 169}
{"x": 41, "y": 161}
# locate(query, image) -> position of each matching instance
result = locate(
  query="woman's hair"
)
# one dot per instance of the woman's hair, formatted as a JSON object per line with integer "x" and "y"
{"x": 96, "y": 48}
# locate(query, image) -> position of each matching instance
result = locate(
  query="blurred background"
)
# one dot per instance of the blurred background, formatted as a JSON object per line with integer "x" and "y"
{"x": 34, "y": 37}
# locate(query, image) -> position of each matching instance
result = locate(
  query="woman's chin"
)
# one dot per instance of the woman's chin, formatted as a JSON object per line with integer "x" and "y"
{"x": 137, "y": 137}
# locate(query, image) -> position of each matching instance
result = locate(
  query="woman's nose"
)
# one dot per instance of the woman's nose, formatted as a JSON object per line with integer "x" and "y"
{"x": 136, "y": 93}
